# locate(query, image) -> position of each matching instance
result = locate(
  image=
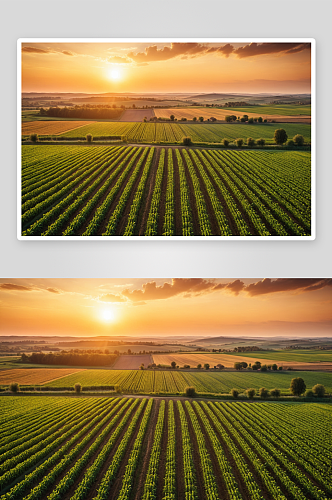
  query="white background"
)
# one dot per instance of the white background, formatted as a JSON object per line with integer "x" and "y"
{"x": 159, "y": 18}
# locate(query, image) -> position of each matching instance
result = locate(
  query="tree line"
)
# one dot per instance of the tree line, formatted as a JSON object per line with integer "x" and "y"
{"x": 69, "y": 358}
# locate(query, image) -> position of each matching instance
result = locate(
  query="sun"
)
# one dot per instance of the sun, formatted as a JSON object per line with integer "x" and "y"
{"x": 107, "y": 315}
{"x": 115, "y": 74}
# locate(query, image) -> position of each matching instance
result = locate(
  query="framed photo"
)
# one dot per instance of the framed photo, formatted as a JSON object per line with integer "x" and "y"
{"x": 159, "y": 138}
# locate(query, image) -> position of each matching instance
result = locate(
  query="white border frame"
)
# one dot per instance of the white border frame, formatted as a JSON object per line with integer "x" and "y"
{"x": 312, "y": 41}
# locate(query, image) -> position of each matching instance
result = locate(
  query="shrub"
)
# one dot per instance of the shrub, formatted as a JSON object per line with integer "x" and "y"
{"x": 280, "y": 368}
{"x": 290, "y": 143}
{"x": 33, "y": 137}
{"x": 186, "y": 141}
{"x": 237, "y": 365}
{"x": 234, "y": 393}
{"x": 251, "y": 120}
{"x": 201, "y": 119}
{"x": 254, "y": 367}
{"x": 89, "y": 138}
{"x": 264, "y": 393}
{"x": 225, "y": 142}
{"x": 319, "y": 390}
{"x": 309, "y": 394}
{"x": 250, "y": 141}
{"x": 280, "y": 136}
{"x": 265, "y": 121}
{"x": 142, "y": 366}
{"x": 239, "y": 142}
{"x": 263, "y": 368}
{"x": 186, "y": 366}
{"x": 206, "y": 366}
{"x": 297, "y": 386}
{"x": 251, "y": 393}
{"x": 260, "y": 142}
{"x": 78, "y": 388}
{"x": 199, "y": 366}
{"x": 14, "y": 387}
{"x": 275, "y": 393}
{"x": 190, "y": 392}
{"x": 298, "y": 139}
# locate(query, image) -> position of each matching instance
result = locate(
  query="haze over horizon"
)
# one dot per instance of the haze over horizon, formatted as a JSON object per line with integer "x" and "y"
{"x": 166, "y": 67}
{"x": 292, "y": 307}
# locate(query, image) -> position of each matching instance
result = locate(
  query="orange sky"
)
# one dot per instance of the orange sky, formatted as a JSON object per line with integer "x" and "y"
{"x": 165, "y": 67}
{"x": 149, "y": 307}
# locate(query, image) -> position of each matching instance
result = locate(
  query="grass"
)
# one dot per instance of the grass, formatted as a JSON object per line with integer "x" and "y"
{"x": 278, "y": 109}
{"x": 305, "y": 355}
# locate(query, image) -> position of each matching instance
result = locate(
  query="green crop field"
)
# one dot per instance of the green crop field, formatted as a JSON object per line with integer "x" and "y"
{"x": 205, "y": 382}
{"x": 125, "y": 448}
{"x": 276, "y": 109}
{"x": 210, "y": 133}
{"x": 305, "y": 355}
{"x": 141, "y": 191}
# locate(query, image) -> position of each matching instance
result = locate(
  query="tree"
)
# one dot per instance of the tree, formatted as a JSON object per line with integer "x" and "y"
{"x": 258, "y": 364}
{"x": 290, "y": 143}
{"x": 265, "y": 120}
{"x": 319, "y": 390}
{"x": 173, "y": 364}
{"x": 199, "y": 366}
{"x": 274, "y": 367}
{"x": 260, "y": 119}
{"x": 33, "y": 137}
{"x": 280, "y": 368}
{"x": 206, "y": 366}
{"x": 263, "y": 368}
{"x": 298, "y": 139}
{"x": 251, "y": 393}
{"x": 297, "y": 386}
{"x": 244, "y": 364}
{"x": 172, "y": 118}
{"x": 190, "y": 392}
{"x": 250, "y": 142}
{"x": 275, "y": 393}
{"x": 234, "y": 393}
{"x": 220, "y": 367}
{"x": 142, "y": 366}
{"x": 309, "y": 394}
{"x": 251, "y": 120}
{"x": 14, "y": 387}
{"x": 89, "y": 138}
{"x": 201, "y": 119}
{"x": 186, "y": 141}
{"x": 242, "y": 120}
{"x": 186, "y": 366}
{"x": 245, "y": 117}
{"x": 78, "y": 388}
{"x": 195, "y": 119}
{"x": 264, "y": 393}
{"x": 280, "y": 136}
{"x": 260, "y": 142}
{"x": 239, "y": 142}
{"x": 228, "y": 118}
{"x": 225, "y": 142}
{"x": 237, "y": 365}
{"x": 254, "y": 366}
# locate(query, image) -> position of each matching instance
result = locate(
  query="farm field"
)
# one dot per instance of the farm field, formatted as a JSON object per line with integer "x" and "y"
{"x": 32, "y": 376}
{"x": 175, "y": 381}
{"x": 301, "y": 356}
{"x": 174, "y": 132}
{"x": 278, "y": 109}
{"x": 269, "y": 113}
{"x": 144, "y": 191}
{"x": 121, "y": 448}
{"x": 132, "y": 362}
{"x": 228, "y": 360}
{"x": 136, "y": 115}
{"x": 52, "y": 127}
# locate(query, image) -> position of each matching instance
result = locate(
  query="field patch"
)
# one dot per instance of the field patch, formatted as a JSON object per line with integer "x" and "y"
{"x": 52, "y": 127}
{"x": 130, "y": 362}
{"x": 143, "y": 191}
{"x": 117, "y": 448}
{"x": 220, "y": 114}
{"x": 32, "y": 376}
{"x": 136, "y": 115}
{"x": 312, "y": 356}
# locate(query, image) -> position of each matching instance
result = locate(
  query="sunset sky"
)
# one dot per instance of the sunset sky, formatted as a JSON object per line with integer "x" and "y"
{"x": 166, "y": 67}
{"x": 152, "y": 307}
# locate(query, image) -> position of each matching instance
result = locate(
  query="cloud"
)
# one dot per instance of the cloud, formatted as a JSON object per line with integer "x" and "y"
{"x": 17, "y": 288}
{"x": 153, "y": 54}
{"x": 53, "y": 290}
{"x": 267, "y": 285}
{"x": 258, "y": 49}
{"x": 188, "y": 287}
{"x": 119, "y": 60}
{"x": 36, "y": 50}
{"x": 111, "y": 297}
{"x": 178, "y": 286}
